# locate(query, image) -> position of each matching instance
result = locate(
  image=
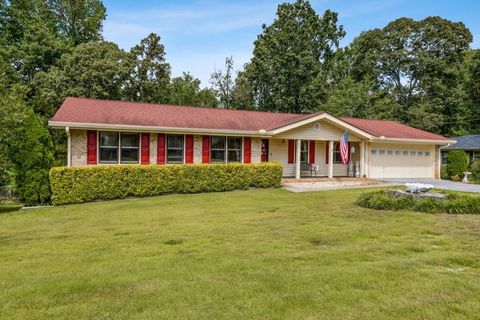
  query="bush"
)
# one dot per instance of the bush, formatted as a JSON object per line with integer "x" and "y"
{"x": 81, "y": 184}
{"x": 443, "y": 172}
{"x": 457, "y": 162}
{"x": 452, "y": 204}
{"x": 474, "y": 168}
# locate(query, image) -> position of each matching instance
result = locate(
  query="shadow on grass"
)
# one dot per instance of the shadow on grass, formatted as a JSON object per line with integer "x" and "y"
{"x": 9, "y": 207}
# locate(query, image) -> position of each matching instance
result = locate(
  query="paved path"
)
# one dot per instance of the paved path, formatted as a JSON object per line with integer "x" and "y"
{"x": 322, "y": 186}
{"x": 439, "y": 184}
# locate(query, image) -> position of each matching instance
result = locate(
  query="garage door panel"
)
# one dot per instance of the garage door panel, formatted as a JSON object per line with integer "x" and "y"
{"x": 410, "y": 165}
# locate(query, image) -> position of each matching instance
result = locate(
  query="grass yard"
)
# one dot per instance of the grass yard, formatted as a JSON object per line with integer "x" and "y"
{"x": 260, "y": 254}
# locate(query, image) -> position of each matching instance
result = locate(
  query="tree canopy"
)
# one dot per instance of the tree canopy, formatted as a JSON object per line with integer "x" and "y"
{"x": 291, "y": 58}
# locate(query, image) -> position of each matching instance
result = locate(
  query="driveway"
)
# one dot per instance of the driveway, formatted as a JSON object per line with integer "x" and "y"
{"x": 438, "y": 184}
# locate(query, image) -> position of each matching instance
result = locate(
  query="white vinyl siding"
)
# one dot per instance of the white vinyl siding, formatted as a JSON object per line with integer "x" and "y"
{"x": 327, "y": 131}
{"x": 278, "y": 151}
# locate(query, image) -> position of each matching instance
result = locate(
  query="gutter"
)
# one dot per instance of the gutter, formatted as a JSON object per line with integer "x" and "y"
{"x": 135, "y": 128}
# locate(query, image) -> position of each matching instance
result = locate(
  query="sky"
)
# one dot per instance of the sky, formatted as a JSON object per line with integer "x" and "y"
{"x": 199, "y": 34}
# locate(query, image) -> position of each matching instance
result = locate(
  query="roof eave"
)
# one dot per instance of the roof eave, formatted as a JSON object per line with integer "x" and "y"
{"x": 409, "y": 140}
{"x": 318, "y": 117}
{"x": 136, "y": 128}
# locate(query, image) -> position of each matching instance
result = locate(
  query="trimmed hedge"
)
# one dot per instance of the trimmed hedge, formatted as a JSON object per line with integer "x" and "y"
{"x": 452, "y": 204}
{"x": 457, "y": 162}
{"x": 82, "y": 184}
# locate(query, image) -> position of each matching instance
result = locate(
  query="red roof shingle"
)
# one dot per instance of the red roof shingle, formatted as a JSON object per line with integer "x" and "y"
{"x": 391, "y": 129}
{"x": 112, "y": 112}
{"x": 82, "y": 110}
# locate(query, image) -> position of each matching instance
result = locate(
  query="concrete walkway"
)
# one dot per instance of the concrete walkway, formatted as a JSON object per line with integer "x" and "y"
{"x": 438, "y": 184}
{"x": 336, "y": 184}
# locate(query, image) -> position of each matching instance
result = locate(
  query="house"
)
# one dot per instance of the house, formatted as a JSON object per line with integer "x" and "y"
{"x": 118, "y": 132}
{"x": 469, "y": 143}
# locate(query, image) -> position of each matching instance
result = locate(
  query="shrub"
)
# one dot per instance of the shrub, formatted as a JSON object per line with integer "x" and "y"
{"x": 474, "y": 168}
{"x": 81, "y": 184}
{"x": 452, "y": 204}
{"x": 457, "y": 162}
{"x": 443, "y": 172}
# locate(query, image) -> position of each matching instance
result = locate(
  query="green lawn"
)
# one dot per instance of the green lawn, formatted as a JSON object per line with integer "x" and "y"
{"x": 260, "y": 254}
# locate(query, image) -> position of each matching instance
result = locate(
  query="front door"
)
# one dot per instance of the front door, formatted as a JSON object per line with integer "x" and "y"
{"x": 264, "y": 150}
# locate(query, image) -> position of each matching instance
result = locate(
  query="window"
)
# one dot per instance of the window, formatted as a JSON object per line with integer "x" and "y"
{"x": 226, "y": 149}
{"x": 129, "y": 148}
{"x": 427, "y": 153}
{"x": 337, "y": 157}
{"x": 444, "y": 157}
{"x": 374, "y": 151}
{"x": 420, "y": 153}
{"x": 108, "y": 147}
{"x": 405, "y": 153}
{"x": 218, "y": 149}
{"x": 304, "y": 152}
{"x": 397, "y": 152}
{"x": 234, "y": 147}
{"x": 174, "y": 148}
{"x": 412, "y": 153}
{"x": 382, "y": 152}
{"x": 390, "y": 152}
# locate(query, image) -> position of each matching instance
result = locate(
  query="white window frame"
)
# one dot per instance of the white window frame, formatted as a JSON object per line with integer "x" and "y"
{"x": 225, "y": 150}
{"x": 166, "y": 149}
{"x": 99, "y": 147}
{"x": 120, "y": 148}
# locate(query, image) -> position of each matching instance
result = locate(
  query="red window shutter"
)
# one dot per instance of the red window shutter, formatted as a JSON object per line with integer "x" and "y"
{"x": 327, "y": 151}
{"x": 206, "y": 149}
{"x": 91, "y": 147}
{"x": 349, "y": 150}
{"x": 145, "y": 141}
{"x": 247, "y": 150}
{"x": 161, "y": 148}
{"x": 291, "y": 151}
{"x": 189, "y": 148}
{"x": 311, "y": 152}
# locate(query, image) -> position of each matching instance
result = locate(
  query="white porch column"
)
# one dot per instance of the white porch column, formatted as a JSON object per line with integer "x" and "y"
{"x": 298, "y": 149}
{"x": 362, "y": 159}
{"x": 330, "y": 159}
{"x": 69, "y": 147}
{"x": 438, "y": 163}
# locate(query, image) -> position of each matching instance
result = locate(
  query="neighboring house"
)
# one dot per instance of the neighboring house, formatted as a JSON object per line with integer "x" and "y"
{"x": 469, "y": 143}
{"x": 117, "y": 132}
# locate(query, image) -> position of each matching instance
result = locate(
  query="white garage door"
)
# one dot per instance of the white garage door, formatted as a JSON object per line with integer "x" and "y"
{"x": 398, "y": 162}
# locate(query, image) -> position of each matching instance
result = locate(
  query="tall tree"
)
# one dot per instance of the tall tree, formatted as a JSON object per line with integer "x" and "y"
{"x": 81, "y": 21}
{"x": 291, "y": 58}
{"x": 223, "y": 84}
{"x": 25, "y": 146}
{"x": 35, "y": 33}
{"x": 150, "y": 75}
{"x": 418, "y": 62}
{"x": 185, "y": 90}
{"x": 94, "y": 70}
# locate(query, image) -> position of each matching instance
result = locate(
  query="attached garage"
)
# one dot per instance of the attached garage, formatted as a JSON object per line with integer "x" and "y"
{"x": 402, "y": 161}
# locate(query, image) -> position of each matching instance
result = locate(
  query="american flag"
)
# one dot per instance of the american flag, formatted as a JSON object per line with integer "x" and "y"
{"x": 344, "y": 152}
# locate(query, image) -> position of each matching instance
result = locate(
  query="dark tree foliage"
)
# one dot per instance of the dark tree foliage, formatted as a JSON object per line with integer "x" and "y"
{"x": 95, "y": 70}
{"x": 150, "y": 75}
{"x": 418, "y": 63}
{"x": 185, "y": 90}
{"x": 291, "y": 58}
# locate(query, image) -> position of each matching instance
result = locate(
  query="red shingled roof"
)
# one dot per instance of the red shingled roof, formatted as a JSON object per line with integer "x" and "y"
{"x": 82, "y": 110}
{"x": 391, "y": 129}
{"x": 112, "y": 112}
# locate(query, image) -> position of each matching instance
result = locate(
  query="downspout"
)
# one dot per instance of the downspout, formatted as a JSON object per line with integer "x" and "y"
{"x": 69, "y": 147}
{"x": 439, "y": 159}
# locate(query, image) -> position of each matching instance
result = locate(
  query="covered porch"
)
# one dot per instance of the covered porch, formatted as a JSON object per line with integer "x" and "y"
{"x": 303, "y": 159}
